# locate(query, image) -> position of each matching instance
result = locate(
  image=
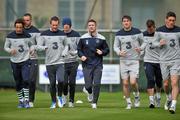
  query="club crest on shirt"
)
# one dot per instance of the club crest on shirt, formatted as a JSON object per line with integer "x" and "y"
{"x": 97, "y": 41}
{"x": 73, "y": 40}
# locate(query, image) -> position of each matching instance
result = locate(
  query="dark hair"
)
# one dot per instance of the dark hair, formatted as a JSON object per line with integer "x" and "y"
{"x": 92, "y": 20}
{"x": 126, "y": 17}
{"x": 170, "y": 14}
{"x": 54, "y": 18}
{"x": 20, "y": 21}
{"x": 28, "y": 14}
{"x": 150, "y": 23}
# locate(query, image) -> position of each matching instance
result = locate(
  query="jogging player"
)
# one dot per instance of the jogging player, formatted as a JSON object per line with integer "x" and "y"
{"x": 170, "y": 59}
{"x": 91, "y": 49}
{"x": 34, "y": 32}
{"x": 18, "y": 45}
{"x": 125, "y": 43}
{"x": 151, "y": 64}
{"x": 53, "y": 41}
{"x": 71, "y": 61}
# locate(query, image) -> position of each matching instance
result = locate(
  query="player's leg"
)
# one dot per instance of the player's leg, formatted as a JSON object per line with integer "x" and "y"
{"x": 165, "y": 75}
{"x": 97, "y": 74}
{"x": 25, "y": 70}
{"x": 125, "y": 80}
{"x": 19, "y": 86}
{"x": 175, "y": 71}
{"x": 134, "y": 75}
{"x": 88, "y": 83}
{"x": 60, "y": 79}
{"x": 175, "y": 92}
{"x": 149, "y": 71}
{"x": 72, "y": 83}
{"x": 66, "y": 82}
{"x": 51, "y": 70}
{"x": 33, "y": 79}
{"x": 158, "y": 80}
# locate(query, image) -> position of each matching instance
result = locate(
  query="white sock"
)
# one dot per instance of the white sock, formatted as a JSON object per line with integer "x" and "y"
{"x": 26, "y": 94}
{"x": 168, "y": 96}
{"x": 128, "y": 100}
{"x": 173, "y": 102}
{"x": 158, "y": 95}
{"x": 151, "y": 99}
{"x": 20, "y": 95}
{"x": 136, "y": 94}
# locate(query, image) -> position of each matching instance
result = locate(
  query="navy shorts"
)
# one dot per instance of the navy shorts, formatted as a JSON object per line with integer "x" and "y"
{"x": 21, "y": 72}
{"x": 153, "y": 74}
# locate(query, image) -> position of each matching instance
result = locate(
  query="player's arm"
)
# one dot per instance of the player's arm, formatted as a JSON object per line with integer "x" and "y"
{"x": 66, "y": 46}
{"x": 117, "y": 47}
{"x": 159, "y": 41}
{"x": 31, "y": 45}
{"x": 141, "y": 38}
{"x": 104, "y": 50}
{"x": 73, "y": 51}
{"x": 80, "y": 51}
{"x": 37, "y": 37}
{"x": 78, "y": 39}
{"x": 142, "y": 43}
{"x": 41, "y": 44}
{"x": 34, "y": 46}
{"x": 7, "y": 47}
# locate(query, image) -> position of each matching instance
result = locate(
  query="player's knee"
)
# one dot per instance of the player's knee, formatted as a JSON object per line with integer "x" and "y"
{"x": 133, "y": 83}
{"x": 150, "y": 86}
{"x": 65, "y": 81}
{"x": 26, "y": 84}
{"x": 126, "y": 84}
{"x": 174, "y": 83}
{"x": 52, "y": 84}
{"x": 72, "y": 84}
{"x": 159, "y": 85}
{"x": 166, "y": 83}
{"x": 97, "y": 85}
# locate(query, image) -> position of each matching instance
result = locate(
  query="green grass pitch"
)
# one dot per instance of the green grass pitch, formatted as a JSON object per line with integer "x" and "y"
{"x": 111, "y": 106}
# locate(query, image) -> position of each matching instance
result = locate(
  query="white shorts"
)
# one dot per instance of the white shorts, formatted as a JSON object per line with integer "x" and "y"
{"x": 129, "y": 68}
{"x": 170, "y": 68}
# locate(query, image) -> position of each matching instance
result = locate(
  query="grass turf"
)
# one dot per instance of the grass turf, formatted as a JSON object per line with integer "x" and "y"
{"x": 111, "y": 106}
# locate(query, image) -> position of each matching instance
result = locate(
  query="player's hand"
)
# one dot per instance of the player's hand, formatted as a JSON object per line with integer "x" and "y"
{"x": 138, "y": 49}
{"x": 46, "y": 48}
{"x": 13, "y": 52}
{"x": 64, "y": 53}
{"x": 122, "y": 53}
{"x": 73, "y": 52}
{"x": 99, "y": 52}
{"x": 83, "y": 58}
{"x": 32, "y": 52}
{"x": 162, "y": 42}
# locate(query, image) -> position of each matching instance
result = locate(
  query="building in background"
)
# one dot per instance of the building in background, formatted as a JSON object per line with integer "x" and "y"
{"x": 108, "y": 13}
